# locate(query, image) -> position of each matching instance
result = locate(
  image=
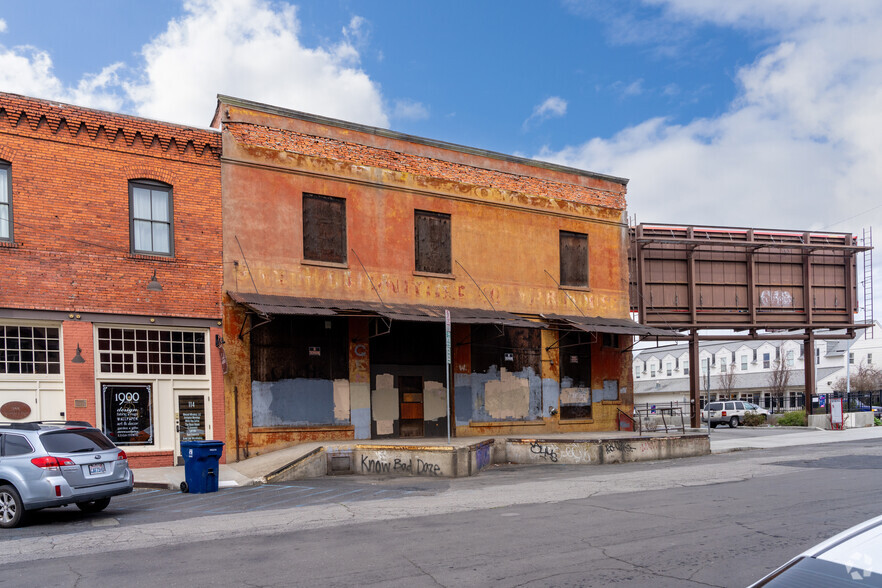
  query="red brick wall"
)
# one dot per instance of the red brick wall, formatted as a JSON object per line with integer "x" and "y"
{"x": 156, "y": 459}
{"x": 606, "y": 193}
{"x": 218, "y": 412}
{"x": 70, "y": 172}
{"x": 79, "y": 378}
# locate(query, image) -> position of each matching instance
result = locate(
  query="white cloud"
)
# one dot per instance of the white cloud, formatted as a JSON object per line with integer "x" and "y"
{"x": 552, "y": 107}
{"x": 799, "y": 147}
{"x": 2, "y": 26}
{"x": 245, "y": 48}
{"x": 410, "y": 110}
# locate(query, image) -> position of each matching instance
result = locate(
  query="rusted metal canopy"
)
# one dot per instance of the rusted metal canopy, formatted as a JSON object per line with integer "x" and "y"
{"x": 265, "y": 304}
{"x": 597, "y": 324}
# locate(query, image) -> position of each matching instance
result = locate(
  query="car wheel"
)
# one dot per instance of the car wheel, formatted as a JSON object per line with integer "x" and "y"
{"x": 184, "y": 487}
{"x": 94, "y": 505}
{"x": 12, "y": 512}
{"x": 733, "y": 422}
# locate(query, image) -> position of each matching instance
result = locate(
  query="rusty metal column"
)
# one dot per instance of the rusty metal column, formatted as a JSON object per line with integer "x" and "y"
{"x": 809, "y": 368}
{"x": 694, "y": 388}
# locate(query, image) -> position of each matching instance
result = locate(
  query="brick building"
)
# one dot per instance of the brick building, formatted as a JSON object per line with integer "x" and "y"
{"x": 110, "y": 248}
{"x": 345, "y": 244}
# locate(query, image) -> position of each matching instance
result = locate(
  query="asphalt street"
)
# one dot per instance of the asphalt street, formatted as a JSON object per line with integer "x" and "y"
{"x": 719, "y": 520}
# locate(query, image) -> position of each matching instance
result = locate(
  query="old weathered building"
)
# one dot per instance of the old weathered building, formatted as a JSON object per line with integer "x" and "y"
{"x": 345, "y": 244}
{"x": 110, "y": 250}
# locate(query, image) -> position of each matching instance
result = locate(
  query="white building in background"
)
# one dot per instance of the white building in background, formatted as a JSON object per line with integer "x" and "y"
{"x": 661, "y": 374}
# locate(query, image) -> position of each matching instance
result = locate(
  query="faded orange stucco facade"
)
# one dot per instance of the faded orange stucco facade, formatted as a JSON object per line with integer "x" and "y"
{"x": 506, "y": 215}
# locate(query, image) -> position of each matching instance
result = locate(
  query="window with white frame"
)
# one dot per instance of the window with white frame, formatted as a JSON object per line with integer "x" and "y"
{"x": 851, "y": 358}
{"x": 685, "y": 367}
{"x": 669, "y": 368}
{"x": 151, "y": 351}
{"x": 723, "y": 368}
{"x": 636, "y": 372}
{"x": 743, "y": 363}
{"x": 790, "y": 358}
{"x": 29, "y": 350}
{"x": 5, "y": 201}
{"x": 651, "y": 369}
{"x": 150, "y": 213}
{"x": 767, "y": 362}
{"x": 869, "y": 359}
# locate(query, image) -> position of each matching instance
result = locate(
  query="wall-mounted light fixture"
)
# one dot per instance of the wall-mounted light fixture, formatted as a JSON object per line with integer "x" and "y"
{"x": 153, "y": 285}
{"x": 78, "y": 358}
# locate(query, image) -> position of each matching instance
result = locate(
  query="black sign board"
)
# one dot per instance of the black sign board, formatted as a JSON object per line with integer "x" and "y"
{"x": 191, "y": 417}
{"x": 128, "y": 416}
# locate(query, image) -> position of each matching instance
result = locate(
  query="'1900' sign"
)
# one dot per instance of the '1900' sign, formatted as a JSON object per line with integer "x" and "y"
{"x": 15, "y": 410}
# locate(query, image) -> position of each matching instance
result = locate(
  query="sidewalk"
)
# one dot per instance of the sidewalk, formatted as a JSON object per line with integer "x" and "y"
{"x": 255, "y": 470}
{"x": 810, "y": 437}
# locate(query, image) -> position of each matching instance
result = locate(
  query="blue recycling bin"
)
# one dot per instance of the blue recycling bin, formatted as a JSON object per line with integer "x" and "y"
{"x": 201, "y": 466}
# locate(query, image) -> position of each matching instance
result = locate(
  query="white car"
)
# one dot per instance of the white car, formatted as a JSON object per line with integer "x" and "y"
{"x": 729, "y": 412}
{"x": 851, "y": 558}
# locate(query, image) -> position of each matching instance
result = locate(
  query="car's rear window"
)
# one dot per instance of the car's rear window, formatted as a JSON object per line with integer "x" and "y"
{"x": 75, "y": 441}
{"x": 715, "y": 406}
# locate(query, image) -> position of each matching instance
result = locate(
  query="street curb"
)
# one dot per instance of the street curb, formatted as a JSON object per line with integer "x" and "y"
{"x": 154, "y": 485}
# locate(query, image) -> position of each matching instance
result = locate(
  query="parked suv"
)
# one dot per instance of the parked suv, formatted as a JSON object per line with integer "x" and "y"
{"x": 730, "y": 412}
{"x": 45, "y": 464}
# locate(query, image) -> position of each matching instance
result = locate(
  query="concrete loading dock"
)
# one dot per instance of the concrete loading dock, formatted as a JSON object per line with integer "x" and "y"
{"x": 428, "y": 458}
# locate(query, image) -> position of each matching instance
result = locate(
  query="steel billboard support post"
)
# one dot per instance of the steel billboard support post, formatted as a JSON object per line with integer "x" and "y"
{"x": 447, "y": 371}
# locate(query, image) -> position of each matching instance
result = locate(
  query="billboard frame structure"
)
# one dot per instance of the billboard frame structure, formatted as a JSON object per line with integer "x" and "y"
{"x": 772, "y": 284}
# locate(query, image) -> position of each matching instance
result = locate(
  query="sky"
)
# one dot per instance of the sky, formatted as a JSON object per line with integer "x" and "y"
{"x": 745, "y": 113}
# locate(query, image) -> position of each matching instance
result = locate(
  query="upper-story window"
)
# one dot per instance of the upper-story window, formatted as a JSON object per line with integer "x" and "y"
{"x": 767, "y": 361}
{"x": 685, "y": 367}
{"x": 869, "y": 358}
{"x": 637, "y": 370}
{"x": 652, "y": 369}
{"x": 744, "y": 363}
{"x": 790, "y": 359}
{"x": 150, "y": 205}
{"x": 851, "y": 358}
{"x": 5, "y": 201}
{"x": 431, "y": 236}
{"x": 324, "y": 228}
{"x": 668, "y": 369}
{"x": 573, "y": 259}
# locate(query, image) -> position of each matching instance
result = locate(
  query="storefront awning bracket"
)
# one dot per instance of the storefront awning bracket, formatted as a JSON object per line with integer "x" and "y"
{"x": 266, "y": 319}
{"x": 484, "y": 294}
{"x": 570, "y": 298}
{"x": 244, "y": 259}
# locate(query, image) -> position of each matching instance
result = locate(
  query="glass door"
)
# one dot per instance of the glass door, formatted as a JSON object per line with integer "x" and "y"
{"x": 191, "y": 423}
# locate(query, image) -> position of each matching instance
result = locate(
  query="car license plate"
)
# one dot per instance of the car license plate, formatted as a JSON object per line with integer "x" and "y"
{"x": 96, "y": 468}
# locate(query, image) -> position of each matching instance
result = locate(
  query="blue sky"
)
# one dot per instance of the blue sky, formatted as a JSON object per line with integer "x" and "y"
{"x": 763, "y": 113}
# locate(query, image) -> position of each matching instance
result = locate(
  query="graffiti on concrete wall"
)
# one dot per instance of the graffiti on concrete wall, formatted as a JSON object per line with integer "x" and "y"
{"x": 544, "y": 451}
{"x": 386, "y": 465}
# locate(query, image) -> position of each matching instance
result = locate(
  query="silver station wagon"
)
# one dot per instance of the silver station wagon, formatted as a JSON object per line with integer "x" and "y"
{"x": 45, "y": 464}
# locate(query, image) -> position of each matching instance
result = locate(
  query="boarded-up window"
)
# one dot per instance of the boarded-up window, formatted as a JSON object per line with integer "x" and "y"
{"x": 324, "y": 228}
{"x": 432, "y": 242}
{"x": 573, "y": 259}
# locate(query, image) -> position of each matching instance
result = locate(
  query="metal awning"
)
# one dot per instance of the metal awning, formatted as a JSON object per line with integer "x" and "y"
{"x": 597, "y": 324}
{"x": 268, "y": 305}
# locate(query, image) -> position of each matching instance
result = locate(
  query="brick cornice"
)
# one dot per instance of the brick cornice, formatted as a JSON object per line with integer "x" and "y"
{"x": 75, "y": 124}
